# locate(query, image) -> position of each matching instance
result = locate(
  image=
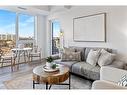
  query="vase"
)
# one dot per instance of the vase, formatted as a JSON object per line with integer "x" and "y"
{"x": 49, "y": 65}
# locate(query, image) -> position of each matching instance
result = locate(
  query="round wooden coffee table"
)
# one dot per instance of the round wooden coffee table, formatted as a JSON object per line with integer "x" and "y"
{"x": 51, "y": 78}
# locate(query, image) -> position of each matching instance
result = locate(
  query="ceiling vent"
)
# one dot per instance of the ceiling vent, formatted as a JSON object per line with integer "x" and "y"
{"x": 22, "y": 8}
{"x": 67, "y": 7}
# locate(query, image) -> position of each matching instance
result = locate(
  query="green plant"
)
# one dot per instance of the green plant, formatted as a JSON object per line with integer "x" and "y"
{"x": 54, "y": 66}
{"x": 49, "y": 59}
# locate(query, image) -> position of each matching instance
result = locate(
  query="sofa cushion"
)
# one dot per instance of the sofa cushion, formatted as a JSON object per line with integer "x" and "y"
{"x": 117, "y": 64}
{"x": 92, "y": 57}
{"x": 87, "y": 50}
{"x": 66, "y": 63}
{"x": 95, "y": 73}
{"x": 68, "y": 49}
{"x": 86, "y": 70}
{"x": 105, "y": 58}
{"x": 80, "y": 49}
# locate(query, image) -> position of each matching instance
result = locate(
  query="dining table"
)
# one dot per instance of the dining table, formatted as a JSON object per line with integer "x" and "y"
{"x": 21, "y": 52}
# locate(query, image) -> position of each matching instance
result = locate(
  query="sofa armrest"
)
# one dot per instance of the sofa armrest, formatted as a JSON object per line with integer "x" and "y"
{"x": 101, "y": 84}
{"x": 55, "y": 56}
{"x": 111, "y": 74}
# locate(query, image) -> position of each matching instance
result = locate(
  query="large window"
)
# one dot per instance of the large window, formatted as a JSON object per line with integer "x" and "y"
{"x": 55, "y": 37}
{"x": 26, "y": 30}
{"x": 14, "y": 30}
{"x": 7, "y": 29}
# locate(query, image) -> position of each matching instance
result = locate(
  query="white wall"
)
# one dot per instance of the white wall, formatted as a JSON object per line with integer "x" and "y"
{"x": 116, "y": 33}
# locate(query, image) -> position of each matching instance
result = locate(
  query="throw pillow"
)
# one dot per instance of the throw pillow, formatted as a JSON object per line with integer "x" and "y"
{"x": 65, "y": 50}
{"x": 71, "y": 56}
{"x": 105, "y": 58}
{"x": 123, "y": 81}
{"x": 92, "y": 57}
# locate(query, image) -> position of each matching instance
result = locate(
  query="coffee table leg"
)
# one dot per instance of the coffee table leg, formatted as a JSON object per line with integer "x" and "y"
{"x": 33, "y": 84}
{"x": 50, "y": 87}
{"x": 46, "y": 85}
{"x": 69, "y": 80}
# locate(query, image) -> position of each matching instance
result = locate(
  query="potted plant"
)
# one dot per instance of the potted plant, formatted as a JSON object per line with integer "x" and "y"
{"x": 49, "y": 62}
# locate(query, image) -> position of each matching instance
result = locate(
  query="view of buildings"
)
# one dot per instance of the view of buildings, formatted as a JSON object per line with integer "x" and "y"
{"x": 8, "y": 41}
{"x": 55, "y": 45}
{"x": 55, "y": 37}
{"x": 9, "y": 30}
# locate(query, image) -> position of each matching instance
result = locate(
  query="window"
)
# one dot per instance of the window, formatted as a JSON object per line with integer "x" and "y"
{"x": 55, "y": 37}
{"x": 8, "y": 34}
{"x": 7, "y": 29}
{"x": 26, "y": 30}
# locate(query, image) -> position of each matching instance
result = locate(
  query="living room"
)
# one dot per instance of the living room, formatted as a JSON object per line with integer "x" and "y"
{"x": 87, "y": 45}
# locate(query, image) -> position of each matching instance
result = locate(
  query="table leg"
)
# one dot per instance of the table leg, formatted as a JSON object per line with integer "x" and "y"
{"x": 19, "y": 56}
{"x": 50, "y": 87}
{"x": 24, "y": 56}
{"x": 69, "y": 80}
{"x": 33, "y": 84}
{"x": 46, "y": 85}
{"x": 12, "y": 64}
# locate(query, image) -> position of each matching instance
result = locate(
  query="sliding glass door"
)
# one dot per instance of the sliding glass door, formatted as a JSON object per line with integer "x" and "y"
{"x": 55, "y": 37}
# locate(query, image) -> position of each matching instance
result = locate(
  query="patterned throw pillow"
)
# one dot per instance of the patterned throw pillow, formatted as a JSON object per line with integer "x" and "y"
{"x": 71, "y": 56}
{"x": 93, "y": 56}
{"x": 123, "y": 81}
{"x": 105, "y": 58}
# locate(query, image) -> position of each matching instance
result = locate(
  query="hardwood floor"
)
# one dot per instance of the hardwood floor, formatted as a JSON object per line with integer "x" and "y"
{"x": 24, "y": 69}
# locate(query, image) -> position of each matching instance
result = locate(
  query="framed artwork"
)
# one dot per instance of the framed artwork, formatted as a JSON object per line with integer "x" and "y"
{"x": 91, "y": 28}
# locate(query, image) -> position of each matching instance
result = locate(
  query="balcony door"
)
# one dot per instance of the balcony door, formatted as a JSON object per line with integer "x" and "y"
{"x": 55, "y": 37}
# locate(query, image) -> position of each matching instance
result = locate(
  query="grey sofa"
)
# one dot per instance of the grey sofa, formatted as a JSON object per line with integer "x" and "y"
{"x": 84, "y": 69}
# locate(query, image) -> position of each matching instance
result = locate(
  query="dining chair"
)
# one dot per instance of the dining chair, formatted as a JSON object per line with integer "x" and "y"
{"x": 36, "y": 52}
{"x": 7, "y": 57}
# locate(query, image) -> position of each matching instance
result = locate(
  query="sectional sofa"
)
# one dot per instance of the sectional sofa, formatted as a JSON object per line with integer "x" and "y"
{"x": 84, "y": 69}
{"x": 109, "y": 78}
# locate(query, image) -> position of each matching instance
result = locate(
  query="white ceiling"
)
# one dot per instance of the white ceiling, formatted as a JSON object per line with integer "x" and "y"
{"x": 37, "y": 10}
{"x": 53, "y": 8}
{"x": 44, "y": 7}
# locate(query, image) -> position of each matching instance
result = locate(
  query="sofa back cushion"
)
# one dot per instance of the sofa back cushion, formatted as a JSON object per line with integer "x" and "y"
{"x": 80, "y": 49}
{"x": 93, "y": 56}
{"x": 87, "y": 50}
{"x": 105, "y": 58}
{"x": 68, "y": 49}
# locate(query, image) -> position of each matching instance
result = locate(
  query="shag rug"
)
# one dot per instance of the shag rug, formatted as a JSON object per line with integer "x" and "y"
{"x": 25, "y": 82}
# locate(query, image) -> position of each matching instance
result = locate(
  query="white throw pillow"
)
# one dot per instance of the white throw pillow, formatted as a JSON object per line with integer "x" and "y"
{"x": 105, "y": 58}
{"x": 123, "y": 81}
{"x": 93, "y": 56}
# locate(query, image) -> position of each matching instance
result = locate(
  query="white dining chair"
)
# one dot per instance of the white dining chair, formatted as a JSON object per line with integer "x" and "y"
{"x": 7, "y": 57}
{"x": 36, "y": 52}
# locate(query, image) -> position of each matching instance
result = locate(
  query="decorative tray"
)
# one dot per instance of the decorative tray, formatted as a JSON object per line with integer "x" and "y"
{"x": 49, "y": 69}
